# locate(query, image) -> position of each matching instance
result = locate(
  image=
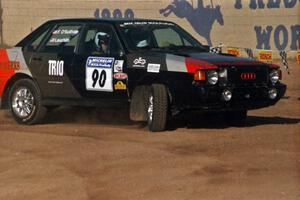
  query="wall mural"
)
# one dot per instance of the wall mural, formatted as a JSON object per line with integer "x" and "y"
{"x": 201, "y": 18}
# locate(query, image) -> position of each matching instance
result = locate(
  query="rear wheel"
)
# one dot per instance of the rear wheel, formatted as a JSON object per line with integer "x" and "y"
{"x": 25, "y": 102}
{"x": 157, "y": 108}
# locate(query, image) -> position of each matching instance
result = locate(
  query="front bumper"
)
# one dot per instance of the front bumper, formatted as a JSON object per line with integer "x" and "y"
{"x": 209, "y": 98}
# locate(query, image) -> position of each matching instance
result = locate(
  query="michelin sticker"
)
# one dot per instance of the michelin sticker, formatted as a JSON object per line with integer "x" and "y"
{"x": 99, "y": 74}
{"x": 153, "y": 68}
{"x": 118, "y": 66}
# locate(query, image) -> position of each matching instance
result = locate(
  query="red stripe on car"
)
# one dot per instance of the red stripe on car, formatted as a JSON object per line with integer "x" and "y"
{"x": 193, "y": 65}
{"x": 6, "y": 70}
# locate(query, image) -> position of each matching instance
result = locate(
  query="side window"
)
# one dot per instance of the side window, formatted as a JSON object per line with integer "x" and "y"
{"x": 33, "y": 46}
{"x": 63, "y": 39}
{"x": 100, "y": 40}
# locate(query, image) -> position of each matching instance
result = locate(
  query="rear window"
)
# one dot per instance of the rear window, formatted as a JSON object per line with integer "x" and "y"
{"x": 63, "y": 39}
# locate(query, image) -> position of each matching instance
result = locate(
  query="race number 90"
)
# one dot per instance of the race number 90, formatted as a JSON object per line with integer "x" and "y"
{"x": 99, "y": 78}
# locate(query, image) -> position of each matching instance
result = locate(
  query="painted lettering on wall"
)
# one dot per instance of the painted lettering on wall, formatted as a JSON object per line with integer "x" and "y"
{"x": 117, "y": 14}
{"x": 283, "y": 36}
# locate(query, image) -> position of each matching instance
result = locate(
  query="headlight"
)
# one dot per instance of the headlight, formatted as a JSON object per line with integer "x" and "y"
{"x": 274, "y": 76}
{"x": 273, "y": 93}
{"x": 212, "y": 77}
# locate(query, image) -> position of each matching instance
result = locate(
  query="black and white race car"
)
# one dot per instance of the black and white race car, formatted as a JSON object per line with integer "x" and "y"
{"x": 156, "y": 67}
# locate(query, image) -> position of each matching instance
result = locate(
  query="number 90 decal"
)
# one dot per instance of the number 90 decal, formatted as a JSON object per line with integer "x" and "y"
{"x": 99, "y": 74}
{"x": 99, "y": 79}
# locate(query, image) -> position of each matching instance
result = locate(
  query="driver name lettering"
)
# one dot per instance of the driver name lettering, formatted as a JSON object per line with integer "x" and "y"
{"x": 65, "y": 32}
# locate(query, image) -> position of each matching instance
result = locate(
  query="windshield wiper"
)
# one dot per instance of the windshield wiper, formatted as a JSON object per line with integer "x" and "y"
{"x": 197, "y": 48}
{"x": 147, "y": 48}
{"x": 173, "y": 48}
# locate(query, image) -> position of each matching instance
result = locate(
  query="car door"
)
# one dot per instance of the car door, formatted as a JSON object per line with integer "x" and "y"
{"x": 51, "y": 64}
{"x": 99, "y": 65}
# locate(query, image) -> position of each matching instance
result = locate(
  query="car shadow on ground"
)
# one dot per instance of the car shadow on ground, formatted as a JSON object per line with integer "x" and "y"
{"x": 120, "y": 117}
{"x": 211, "y": 122}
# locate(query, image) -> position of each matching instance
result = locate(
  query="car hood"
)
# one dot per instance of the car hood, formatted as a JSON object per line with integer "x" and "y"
{"x": 225, "y": 59}
{"x": 187, "y": 62}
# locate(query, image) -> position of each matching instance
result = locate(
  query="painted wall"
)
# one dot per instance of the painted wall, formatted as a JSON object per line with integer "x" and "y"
{"x": 261, "y": 24}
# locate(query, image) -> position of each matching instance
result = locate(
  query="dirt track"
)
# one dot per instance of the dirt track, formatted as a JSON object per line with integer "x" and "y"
{"x": 83, "y": 154}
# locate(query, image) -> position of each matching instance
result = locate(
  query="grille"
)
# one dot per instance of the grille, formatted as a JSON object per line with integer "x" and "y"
{"x": 247, "y": 75}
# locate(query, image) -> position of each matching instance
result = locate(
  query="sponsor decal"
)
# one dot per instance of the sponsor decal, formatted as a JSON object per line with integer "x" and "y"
{"x": 265, "y": 56}
{"x": 120, "y": 76}
{"x": 56, "y": 68}
{"x": 298, "y": 57}
{"x": 118, "y": 66}
{"x": 99, "y": 74}
{"x": 11, "y": 60}
{"x": 5, "y": 73}
{"x": 14, "y": 65}
{"x": 139, "y": 62}
{"x": 120, "y": 86}
{"x": 153, "y": 68}
{"x": 248, "y": 76}
{"x": 56, "y": 82}
{"x": 233, "y": 51}
{"x": 102, "y": 62}
{"x": 147, "y": 23}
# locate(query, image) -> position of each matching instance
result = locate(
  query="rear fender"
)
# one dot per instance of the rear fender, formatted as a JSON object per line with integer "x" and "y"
{"x": 8, "y": 86}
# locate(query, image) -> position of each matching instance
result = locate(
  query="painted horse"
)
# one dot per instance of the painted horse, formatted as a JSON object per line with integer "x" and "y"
{"x": 201, "y": 18}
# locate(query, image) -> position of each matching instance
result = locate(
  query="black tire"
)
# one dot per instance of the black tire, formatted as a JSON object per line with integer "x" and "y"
{"x": 37, "y": 110}
{"x": 159, "y": 95}
{"x": 235, "y": 118}
{"x": 139, "y": 103}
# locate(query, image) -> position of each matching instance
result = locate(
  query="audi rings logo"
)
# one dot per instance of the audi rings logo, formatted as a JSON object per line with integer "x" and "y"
{"x": 248, "y": 76}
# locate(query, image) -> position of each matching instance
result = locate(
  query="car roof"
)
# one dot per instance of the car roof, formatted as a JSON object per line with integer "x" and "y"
{"x": 110, "y": 20}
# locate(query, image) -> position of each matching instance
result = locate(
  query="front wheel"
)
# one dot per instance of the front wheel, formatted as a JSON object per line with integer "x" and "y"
{"x": 25, "y": 102}
{"x": 157, "y": 108}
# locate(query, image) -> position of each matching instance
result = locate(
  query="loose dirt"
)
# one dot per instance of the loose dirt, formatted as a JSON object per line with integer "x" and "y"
{"x": 100, "y": 154}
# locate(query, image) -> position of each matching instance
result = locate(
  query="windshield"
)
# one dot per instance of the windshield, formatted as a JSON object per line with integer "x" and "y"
{"x": 157, "y": 35}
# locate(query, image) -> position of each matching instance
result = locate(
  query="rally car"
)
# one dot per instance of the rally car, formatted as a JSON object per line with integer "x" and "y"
{"x": 155, "y": 67}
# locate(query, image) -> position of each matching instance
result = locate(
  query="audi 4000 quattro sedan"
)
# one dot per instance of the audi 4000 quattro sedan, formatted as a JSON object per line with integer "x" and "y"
{"x": 155, "y": 67}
